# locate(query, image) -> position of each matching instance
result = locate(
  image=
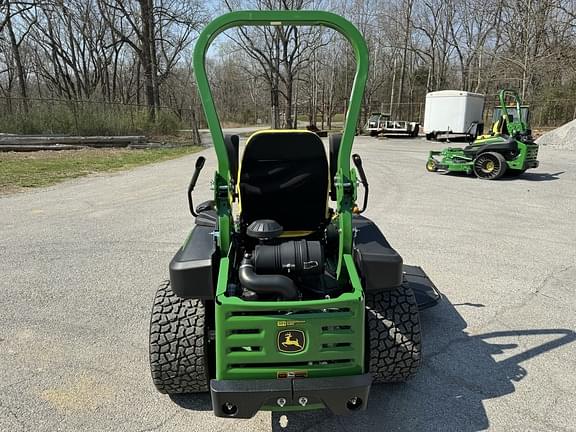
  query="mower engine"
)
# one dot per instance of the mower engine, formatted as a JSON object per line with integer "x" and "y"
{"x": 283, "y": 269}
{"x": 299, "y": 258}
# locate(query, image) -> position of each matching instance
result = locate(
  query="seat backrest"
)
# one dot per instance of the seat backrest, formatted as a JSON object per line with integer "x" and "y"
{"x": 284, "y": 176}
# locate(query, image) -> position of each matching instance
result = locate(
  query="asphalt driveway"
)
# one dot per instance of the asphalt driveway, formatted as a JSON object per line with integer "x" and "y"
{"x": 80, "y": 261}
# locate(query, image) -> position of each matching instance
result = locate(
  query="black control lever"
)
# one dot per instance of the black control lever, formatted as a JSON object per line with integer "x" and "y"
{"x": 358, "y": 163}
{"x": 199, "y": 165}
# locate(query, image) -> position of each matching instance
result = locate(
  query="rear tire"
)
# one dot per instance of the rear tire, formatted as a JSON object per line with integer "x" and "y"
{"x": 489, "y": 166}
{"x": 178, "y": 359}
{"x": 393, "y": 336}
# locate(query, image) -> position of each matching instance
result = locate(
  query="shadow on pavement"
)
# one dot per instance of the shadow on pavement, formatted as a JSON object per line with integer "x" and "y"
{"x": 460, "y": 372}
{"x": 529, "y": 176}
{"x": 536, "y": 176}
{"x": 194, "y": 402}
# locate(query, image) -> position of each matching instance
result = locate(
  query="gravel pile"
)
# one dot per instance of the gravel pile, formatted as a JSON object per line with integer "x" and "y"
{"x": 563, "y": 137}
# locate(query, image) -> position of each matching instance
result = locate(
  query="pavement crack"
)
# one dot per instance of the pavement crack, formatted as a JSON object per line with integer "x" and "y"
{"x": 538, "y": 291}
{"x": 7, "y": 386}
{"x": 159, "y": 425}
{"x": 14, "y": 415}
{"x": 529, "y": 297}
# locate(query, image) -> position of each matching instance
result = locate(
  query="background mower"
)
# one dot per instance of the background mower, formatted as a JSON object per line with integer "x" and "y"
{"x": 509, "y": 148}
{"x": 276, "y": 300}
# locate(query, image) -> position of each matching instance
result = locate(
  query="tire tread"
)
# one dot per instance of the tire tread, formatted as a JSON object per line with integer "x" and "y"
{"x": 393, "y": 335}
{"x": 178, "y": 343}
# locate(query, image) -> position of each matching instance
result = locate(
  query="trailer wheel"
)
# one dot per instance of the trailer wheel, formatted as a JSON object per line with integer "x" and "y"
{"x": 431, "y": 165}
{"x": 489, "y": 166}
{"x": 178, "y": 348}
{"x": 393, "y": 340}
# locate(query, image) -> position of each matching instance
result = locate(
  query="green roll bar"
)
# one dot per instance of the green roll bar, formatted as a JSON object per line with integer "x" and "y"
{"x": 517, "y": 125}
{"x": 346, "y": 179}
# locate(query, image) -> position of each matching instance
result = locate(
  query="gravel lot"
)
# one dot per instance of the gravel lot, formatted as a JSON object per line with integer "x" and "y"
{"x": 79, "y": 263}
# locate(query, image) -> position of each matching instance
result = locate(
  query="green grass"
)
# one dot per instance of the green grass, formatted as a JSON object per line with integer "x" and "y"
{"x": 44, "y": 168}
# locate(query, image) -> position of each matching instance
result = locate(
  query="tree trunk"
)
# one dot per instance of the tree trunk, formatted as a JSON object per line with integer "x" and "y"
{"x": 404, "y": 53}
{"x": 153, "y": 56}
{"x": 147, "y": 60}
{"x": 195, "y": 133}
{"x": 289, "y": 89}
{"x": 18, "y": 61}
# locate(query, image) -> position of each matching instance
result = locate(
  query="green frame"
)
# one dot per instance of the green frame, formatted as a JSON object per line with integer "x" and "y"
{"x": 517, "y": 125}
{"x": 345, "y": 178}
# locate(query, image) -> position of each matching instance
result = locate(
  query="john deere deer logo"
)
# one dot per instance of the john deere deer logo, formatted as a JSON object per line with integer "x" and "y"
{"x": 291, "y": 341}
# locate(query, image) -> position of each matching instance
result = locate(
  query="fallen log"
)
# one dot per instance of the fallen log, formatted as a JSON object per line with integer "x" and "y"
{"x": 85, "y": 141}
{"x": 33, "y": 148}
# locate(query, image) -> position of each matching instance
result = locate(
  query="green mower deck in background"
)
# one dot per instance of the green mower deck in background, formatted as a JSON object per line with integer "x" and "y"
{"x": 277, "y": 300}
{"x": 510, "y": 147}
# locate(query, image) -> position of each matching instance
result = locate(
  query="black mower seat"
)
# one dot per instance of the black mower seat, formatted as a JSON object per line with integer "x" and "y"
{"x": 284, "y": 176}
{"x": 505, "y": 147}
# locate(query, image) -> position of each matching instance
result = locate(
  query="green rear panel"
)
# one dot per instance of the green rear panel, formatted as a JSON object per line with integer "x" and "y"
{"x": 247, "y": 333}
{"x": 528, "y": 153}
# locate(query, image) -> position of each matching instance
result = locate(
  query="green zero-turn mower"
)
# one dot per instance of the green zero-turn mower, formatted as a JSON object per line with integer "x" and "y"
{"x": 510, "y": 147}
{"x": 277, "y": 301}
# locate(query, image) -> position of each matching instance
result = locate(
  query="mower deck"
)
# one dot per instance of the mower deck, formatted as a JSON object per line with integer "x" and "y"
{"x": 426, "y": 293}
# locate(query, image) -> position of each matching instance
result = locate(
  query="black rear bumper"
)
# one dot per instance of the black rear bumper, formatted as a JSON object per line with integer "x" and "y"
{"x": 244, "y": 398}
{"x": 531, "y": 164}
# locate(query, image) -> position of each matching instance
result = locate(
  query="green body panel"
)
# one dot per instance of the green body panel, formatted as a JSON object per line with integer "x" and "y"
{"x": 246, "y": 333}
{"x": 454, "y": 159}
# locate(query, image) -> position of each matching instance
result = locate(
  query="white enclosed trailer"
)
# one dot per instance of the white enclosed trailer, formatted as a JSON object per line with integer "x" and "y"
{"x": 453, "y": 113}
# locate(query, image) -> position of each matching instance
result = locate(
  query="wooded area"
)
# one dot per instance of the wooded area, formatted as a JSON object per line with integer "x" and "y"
{"x": 123, "y": 66}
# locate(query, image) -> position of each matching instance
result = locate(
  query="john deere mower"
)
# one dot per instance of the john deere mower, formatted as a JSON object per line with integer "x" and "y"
{"x": 509, "y": 148}
{"x": 278, "y": 300}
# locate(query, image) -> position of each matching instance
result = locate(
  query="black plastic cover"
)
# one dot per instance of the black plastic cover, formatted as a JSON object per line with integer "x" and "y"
{"x": 264, "y": 229}
{"x": 193, "y": 267}
{"x": 507, "y": 147}
{"x": 380, "y": 266}
{"x": 207, "y": 218}
{"x": 232, "y": 143}
{"x": 334, "y": 148}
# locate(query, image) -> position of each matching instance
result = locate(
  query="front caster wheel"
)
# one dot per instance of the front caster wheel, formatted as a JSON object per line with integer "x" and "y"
{"x": 431, "y": 165}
